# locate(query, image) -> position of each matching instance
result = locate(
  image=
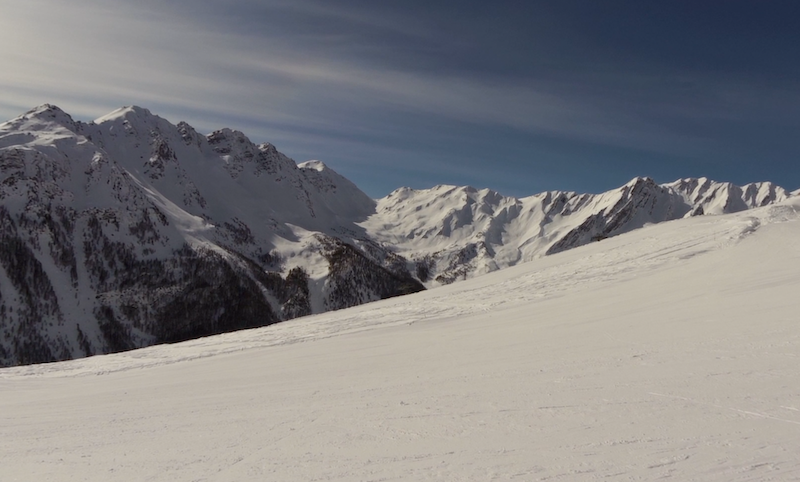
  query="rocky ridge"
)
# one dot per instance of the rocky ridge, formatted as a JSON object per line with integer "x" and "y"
{"x": 457, "y": 232}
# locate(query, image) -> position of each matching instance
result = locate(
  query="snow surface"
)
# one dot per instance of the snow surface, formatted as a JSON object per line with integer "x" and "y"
{"x": 668, "y": 352}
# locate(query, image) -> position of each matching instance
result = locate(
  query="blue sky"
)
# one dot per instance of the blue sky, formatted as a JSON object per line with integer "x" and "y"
{"x": 518, "y": 96}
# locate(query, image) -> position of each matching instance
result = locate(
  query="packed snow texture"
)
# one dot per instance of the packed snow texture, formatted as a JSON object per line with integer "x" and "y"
{"x": 667, "y": 352}
{"x": 130, "y": 231}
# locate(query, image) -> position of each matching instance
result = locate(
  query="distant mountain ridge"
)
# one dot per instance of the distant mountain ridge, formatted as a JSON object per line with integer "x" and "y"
{"x": 129, "y": 231}
{"x": 462, "y": 231}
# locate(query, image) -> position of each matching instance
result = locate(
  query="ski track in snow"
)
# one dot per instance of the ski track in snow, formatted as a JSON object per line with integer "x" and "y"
{"x": 666, "y": 353}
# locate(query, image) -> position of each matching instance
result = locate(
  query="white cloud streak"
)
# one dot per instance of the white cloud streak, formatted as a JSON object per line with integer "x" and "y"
{"x": 107, "y": 52}
{"x": 91, "y": 56}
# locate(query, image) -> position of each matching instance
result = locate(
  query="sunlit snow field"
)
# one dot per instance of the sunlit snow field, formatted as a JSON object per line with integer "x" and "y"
{"x": 669, "y": 352}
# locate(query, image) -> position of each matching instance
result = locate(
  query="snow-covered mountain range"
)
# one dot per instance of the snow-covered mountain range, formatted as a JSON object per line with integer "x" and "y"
{"x": 129, "y": 231}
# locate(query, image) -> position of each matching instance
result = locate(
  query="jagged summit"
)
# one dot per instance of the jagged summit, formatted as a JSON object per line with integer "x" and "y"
{"x": 126, "y": 112}
{"x": 42, "y": 118}
{"x": 131, "y": 230}
{"x": 46, "y": 110}
{"x": 133, "y": 121}
{"x": 230, "y": 135}
{"x": 725, "y": 197}
{"x": 639, "y": 180}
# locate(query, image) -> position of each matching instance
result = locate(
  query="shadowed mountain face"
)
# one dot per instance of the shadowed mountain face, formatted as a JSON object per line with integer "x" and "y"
{"x": 129, "y": 231}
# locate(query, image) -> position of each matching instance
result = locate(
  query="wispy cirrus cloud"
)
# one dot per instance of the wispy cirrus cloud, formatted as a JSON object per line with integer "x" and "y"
{"x": 378, "y": 84}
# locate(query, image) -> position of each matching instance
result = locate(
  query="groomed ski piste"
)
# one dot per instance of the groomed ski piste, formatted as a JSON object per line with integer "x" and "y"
{"x": 670, "y": 352}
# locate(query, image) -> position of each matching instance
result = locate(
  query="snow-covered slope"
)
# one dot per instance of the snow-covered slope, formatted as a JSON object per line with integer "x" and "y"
{"x": 129, "y": 231}
{"x": 667, "y": 352}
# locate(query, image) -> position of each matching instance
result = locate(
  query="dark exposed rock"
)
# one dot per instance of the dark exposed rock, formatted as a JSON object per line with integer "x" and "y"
{"x": 354, "y": 279}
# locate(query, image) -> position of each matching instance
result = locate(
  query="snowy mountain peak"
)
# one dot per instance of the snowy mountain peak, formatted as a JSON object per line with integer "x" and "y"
{"x": 640, "y": 181}
{"x": 344, "y": 197}
{"x": 127, "y": 112}
{"x": 230, "y": 135}
{"x": 709, "y": 197}
{"x": 134, "y": 121}
{"x": 47, "y": 110}
{"x": 401, "y": 193}
{"x": 46, "y": 117}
